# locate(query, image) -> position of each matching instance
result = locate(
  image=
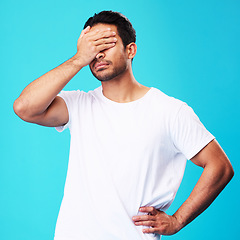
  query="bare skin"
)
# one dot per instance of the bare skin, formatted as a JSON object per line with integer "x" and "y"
{"x": 101, "y": 48}
{"x": 39, "y": 103}
{"x": 124, "y": 87}
{"x": 217, "y": 173}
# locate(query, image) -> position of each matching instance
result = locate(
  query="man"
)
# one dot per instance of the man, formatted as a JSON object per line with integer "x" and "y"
{"x": 129, "y": 142}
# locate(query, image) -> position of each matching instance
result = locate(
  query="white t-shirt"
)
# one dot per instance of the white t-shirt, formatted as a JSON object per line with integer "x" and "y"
{"x": 123, "y": 156}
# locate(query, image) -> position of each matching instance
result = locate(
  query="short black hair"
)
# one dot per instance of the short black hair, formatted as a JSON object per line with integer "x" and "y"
{"x": 125, "y": 29}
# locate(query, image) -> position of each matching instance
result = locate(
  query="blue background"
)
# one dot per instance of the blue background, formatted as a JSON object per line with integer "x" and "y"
{"x": 187, "y": 49}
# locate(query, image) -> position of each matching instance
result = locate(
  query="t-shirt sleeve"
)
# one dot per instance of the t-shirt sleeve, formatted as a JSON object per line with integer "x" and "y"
{"x": 70, "y": 98}
{"x": 189, "y": 134}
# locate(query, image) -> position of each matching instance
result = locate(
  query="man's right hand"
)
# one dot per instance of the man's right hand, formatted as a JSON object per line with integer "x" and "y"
{"x": 38, "y": 102}
{"x": 93, "y": 41}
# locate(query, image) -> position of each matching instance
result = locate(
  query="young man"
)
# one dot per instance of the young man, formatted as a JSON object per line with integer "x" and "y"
{"x": 129, "y": 143}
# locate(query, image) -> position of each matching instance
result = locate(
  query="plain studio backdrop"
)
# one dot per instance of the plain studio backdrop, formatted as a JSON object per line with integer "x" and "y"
{"x": 188, "y": 49}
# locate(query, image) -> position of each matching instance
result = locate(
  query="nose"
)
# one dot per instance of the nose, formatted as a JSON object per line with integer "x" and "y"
{"x": 100, "y": 55}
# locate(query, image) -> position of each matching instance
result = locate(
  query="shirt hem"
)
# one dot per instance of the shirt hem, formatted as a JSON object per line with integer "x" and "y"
{"x": 200, "y": 147}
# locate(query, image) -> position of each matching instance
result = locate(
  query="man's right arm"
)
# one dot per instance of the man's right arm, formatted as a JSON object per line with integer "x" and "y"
{"x": 39, "y": 103}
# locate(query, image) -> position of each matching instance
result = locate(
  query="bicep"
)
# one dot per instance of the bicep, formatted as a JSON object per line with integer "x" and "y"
{"x": 55, "y": 115}
{"x": 212, "y": 154}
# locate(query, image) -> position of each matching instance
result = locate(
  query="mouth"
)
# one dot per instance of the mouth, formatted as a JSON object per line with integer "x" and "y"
{"x": 100, "y": 65}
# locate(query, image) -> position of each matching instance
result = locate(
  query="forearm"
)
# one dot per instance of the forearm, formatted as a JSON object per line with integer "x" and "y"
{"x": 211, "y": 183}
{"x": 39, "y": 94}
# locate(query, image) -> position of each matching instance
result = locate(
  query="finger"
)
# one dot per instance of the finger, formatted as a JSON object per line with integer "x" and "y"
{"x": 105, "y": 46}
{"x": 106, "y": 40}
{"x": 85, "y": 30}
{"x": 96, "y": 34}
{"x": 146, "y": 223}
{"x": 105, "y": 34}
{"x": 150, "y": 210}
{"x": 150, "y": 230}
{"x": 143, "y": 218}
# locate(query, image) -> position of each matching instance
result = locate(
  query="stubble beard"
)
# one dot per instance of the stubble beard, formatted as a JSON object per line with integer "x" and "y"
{"x": 109, "y": 75}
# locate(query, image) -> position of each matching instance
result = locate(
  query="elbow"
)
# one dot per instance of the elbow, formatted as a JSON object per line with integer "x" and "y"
{"x": 20, "y": 108}
{"x": 229, "y": 172}
{"x": 17, "y": 107}
{"x": 222, "y": 172}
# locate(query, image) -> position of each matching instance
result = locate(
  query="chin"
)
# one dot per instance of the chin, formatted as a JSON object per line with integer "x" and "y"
{"x": 103, "y": 77}
{"x": 107, "y": 74}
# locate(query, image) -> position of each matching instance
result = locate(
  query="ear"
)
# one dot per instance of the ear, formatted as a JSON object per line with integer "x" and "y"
{"x": 131, "y": 50}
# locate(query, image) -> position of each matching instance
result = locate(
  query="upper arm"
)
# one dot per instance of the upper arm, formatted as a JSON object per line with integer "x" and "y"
{"x": 55, "y": 115}
{"x": 213, "y": 155}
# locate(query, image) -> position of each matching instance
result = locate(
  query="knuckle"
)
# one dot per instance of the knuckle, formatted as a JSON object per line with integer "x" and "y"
{"x": 147, "y": 223}
{"x": 150, "y": 223}
{"x": 104, "y": 40}
{"x": 107, "y": 33}
{"x": 102, "y": 34}
{"x": 162, "y": 229}
{"x": 153, "y": 219}
{"x": 86, "y": 38}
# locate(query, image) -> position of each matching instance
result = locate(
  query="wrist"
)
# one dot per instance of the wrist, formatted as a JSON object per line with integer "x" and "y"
{"x": 179, "y": 224}
{"x": 77, "y": 62}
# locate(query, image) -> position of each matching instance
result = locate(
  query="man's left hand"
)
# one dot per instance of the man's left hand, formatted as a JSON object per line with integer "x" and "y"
{"x": 159, "y": 221}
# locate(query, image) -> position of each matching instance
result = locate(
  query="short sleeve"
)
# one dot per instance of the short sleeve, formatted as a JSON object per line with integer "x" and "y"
{"x": 70, "y": 98}
{"x": 189, "y": 135}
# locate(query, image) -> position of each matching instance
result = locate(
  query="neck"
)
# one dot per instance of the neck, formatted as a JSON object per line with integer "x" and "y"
{"x": 124, "y": 88}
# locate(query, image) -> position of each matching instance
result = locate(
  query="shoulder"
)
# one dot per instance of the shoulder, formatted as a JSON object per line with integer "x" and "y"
{"x": 166, "y": 102}
{"x": 75, "y": 95}
{"x": 68, "y": 95}
{"x": 175, "y": 109}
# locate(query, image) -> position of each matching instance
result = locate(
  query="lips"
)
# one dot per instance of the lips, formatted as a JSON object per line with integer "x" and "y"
{"x": 99, "y": 65}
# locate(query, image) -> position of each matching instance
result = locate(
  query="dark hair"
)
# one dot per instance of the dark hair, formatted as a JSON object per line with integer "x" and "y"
{"x": 125, "y": 29}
